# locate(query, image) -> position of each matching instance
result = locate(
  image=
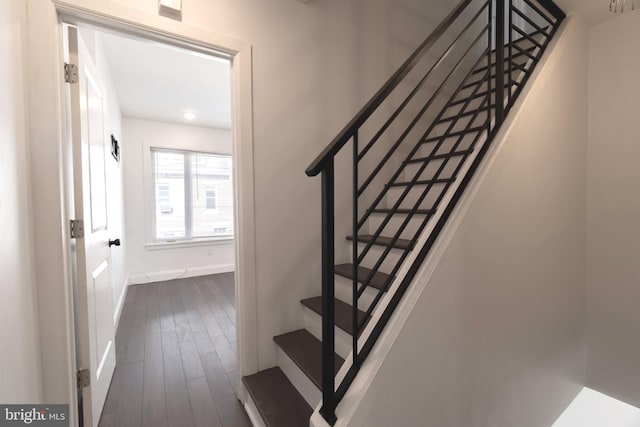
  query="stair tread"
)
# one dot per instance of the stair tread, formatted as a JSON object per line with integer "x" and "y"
{"x": 405, "y": 211}
{"x": 423, "y": 182}
{"x": 306, "y": 352}
{"x": 277, "y": 400}
{"x": 456, "y": 133}
{"x": 477, "y": 111}
{"x": 343, "y": 312}
{"x": 377, "y": 281}
{"x": 484, "y": 68}
{"x": 384, "y": 241}
{"x": 441, "y": 156}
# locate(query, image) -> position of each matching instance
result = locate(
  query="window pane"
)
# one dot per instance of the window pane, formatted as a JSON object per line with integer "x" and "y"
{"x": 169, "y": 195}
{"x": 212, "y": 195}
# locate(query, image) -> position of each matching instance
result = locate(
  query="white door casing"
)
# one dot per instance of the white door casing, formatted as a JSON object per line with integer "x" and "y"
{"x": 95, "y": 296}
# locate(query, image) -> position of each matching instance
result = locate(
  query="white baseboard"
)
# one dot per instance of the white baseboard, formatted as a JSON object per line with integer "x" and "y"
{"x": 159, "y": 276}
{"x": 120, "y": 305}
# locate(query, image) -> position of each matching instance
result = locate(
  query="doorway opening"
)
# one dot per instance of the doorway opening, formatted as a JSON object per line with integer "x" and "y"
{"x": 153, "y": 177}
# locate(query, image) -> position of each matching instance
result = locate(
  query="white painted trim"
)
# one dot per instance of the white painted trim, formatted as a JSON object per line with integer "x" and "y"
{"x": 120, "y": 305}
{"x": 179, "y": 244}
{"x": 160, "y": 276}
{"x": 47, "y": 129}
{"x": 360, "y": 394}
{"x": 252, "y": 410}
{"x": 48, "y": 166}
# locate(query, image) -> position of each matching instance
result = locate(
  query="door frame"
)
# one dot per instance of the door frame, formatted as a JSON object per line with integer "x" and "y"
{"x": 107, "y": 15}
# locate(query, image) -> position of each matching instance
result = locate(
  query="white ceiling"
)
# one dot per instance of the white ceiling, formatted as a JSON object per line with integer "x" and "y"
{"x": 159, "y": 82}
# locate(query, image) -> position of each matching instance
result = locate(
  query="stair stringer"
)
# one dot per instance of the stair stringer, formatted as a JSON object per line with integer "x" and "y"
{"x": 357, "y": 396}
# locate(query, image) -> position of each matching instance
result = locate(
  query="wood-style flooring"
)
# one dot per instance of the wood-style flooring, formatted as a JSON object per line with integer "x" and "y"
{"x": 176, "y": 356}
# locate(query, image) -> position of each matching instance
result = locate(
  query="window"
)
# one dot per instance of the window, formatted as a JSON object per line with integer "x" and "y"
{"x": 164, "y": 204}
{"x": 193, "y": 195}
{"x": 211, "y": 199}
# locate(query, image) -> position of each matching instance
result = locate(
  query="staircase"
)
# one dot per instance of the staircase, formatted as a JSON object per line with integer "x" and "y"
{"x": 409, "y": 170}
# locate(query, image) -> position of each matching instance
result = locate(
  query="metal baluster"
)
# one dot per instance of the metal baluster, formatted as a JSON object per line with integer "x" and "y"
{"x": 510, "y": 53}
{"x": 499, "y": 62}
{"x": 355, "y": 329}
{"x": 328, "y": 290}
{"x": 489, "y": 55}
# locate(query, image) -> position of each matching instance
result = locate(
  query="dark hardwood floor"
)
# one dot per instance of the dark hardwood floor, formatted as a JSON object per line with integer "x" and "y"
{"x": 176, "y": 356}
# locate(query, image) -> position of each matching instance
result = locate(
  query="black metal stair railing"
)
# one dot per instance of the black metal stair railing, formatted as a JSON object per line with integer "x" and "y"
{"x": 464, "y": 79}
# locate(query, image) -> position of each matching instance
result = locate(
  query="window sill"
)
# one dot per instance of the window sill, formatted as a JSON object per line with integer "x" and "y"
{"x": 189, "y": 243}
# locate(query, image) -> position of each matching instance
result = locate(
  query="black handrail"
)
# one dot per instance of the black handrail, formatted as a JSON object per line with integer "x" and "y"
{"x": 472, "y": 116}
{"x": 370, "y": 107}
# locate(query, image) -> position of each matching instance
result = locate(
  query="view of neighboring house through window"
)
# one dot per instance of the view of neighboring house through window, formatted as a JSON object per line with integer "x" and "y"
{"x": 193, "y": 195}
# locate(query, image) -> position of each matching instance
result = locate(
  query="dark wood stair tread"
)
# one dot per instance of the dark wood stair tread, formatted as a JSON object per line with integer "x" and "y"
{"x": 277, "y": 400}
{"x": 477, "y": 111}
{"x": 377, "y": 281}
{"x": 306, "y": 351}
{"x": 441, "y": 156}
{"x": 343, "y": 312}
{"x": 405, "y": 211}
{"x": 383, "y": 241}
{"x": 422, "y": 182}
{"x": 454, "y": 134}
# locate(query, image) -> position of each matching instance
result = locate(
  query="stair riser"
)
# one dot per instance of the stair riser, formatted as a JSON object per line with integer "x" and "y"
{"x": 344, "y": 292}
{"x": 391, "y": 228}
{"x": 429, "y": 172}
{"x": 410, "y": 200}
{"x": 483, "y": 88}
{"x": 299, "y": 379}
{"x": 373, "y": 255}
{"x": 313, "y": 324}
{"x": 450, "y": 142}
{"x": 515, "y": 73}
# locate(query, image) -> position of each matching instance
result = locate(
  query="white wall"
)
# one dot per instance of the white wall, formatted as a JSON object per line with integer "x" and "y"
{"x": 20, "y": 366}
{"x": 613, "y": 208}
{"x": 498, "y": 338}
{"x": 146, "y": 264}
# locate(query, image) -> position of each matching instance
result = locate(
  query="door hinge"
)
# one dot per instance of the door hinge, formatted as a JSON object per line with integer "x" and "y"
{"x": 76, "y": 228}
{"x": 83, "y": 378}
{"x": 70, "y": 73}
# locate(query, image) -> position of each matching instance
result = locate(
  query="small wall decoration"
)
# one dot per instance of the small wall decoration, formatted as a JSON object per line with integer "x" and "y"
{"x": 620, "y": 6}
{"x": 115, "y": 149}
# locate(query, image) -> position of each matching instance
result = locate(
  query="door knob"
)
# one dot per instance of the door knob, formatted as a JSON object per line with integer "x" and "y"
{"x": 115, "y": 242}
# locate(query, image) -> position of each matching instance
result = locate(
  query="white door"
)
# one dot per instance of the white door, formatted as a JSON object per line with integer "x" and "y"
{"x": 95, "y": 296}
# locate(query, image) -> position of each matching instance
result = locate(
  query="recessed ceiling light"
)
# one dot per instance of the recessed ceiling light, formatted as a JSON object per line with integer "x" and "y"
{"x": 189, "y": 116}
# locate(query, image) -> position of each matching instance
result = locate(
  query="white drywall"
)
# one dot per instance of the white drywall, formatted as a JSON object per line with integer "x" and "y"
{"x": 20, "y": 366}
{"x": 613, "y": 208}
{"x": 146, "y": 264}
{"x": 498, "y": 337}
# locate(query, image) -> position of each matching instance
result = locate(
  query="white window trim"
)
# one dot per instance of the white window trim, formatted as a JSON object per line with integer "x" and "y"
{"x": 149, "y": 196}
{"x": 209, "y": 241}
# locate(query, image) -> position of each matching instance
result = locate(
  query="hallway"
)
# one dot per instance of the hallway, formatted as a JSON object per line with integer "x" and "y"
{"x": 176, "y": 360}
